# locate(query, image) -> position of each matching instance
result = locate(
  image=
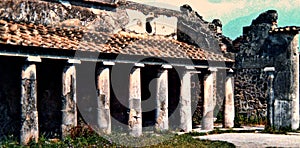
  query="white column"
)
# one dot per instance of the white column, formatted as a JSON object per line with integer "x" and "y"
{"x": 69, "y": 108}
{"x": 29, "y": 113}
{"x": 270, "y": 106}
{"x": 185, "y": 103}
{"x": 229, "y": 100}
{"x": 295, "y": 83}
{"x": 135, "y": 113}
{"x": 103, "y": 88}
{"x": 162, "y": 122}
{"x": 208, "y": 103}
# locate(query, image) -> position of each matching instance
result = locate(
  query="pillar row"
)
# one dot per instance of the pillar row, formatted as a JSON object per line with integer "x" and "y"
{"x": 185, "y": 103}
{"x": 229, "y": 101}
{"x": 29, "y": 113}
{"x": 162, "y": 122}
{"x": 208, "y": 102}
{"x": 103, "y": 100}
{"x": 69, "y": 110}
{"x": 135, "y": 113}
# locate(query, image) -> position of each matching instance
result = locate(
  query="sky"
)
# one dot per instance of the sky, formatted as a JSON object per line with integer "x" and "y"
{"x": 235, "y": 14}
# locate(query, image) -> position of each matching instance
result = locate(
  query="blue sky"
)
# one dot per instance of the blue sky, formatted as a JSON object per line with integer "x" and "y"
{"x": 236, "y": 13}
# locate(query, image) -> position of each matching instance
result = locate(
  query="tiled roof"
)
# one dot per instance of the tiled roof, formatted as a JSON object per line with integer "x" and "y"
{"x": 286, "y": 29}
{"x": 72, "y": 38}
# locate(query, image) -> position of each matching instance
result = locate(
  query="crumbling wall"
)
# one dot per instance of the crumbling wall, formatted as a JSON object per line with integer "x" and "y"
{"x": 250, "y": 94}
{"x": 186, "y": 25}
{"x": 260, "y": 47}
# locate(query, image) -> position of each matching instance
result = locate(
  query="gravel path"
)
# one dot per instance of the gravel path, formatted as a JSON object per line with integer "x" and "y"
{"x": 256, "y": 139}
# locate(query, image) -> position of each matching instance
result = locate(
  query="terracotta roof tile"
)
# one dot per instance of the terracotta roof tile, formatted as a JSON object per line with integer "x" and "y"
{"x": 82, "y": 40}
{"x": 286, "y": 29}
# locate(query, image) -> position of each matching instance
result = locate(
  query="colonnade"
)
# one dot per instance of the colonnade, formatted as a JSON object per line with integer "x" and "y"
{"x": 29, "y": 117}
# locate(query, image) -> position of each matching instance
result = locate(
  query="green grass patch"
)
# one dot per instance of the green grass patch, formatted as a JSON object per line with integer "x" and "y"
{"x": 122, "y": 140}
{"x": 218, "y": 131}
{"x": 281, "y": 130}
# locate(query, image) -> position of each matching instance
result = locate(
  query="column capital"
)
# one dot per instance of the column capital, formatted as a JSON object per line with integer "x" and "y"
{"x": 212, "y": 69}
{"x": 230, "y": 72}
{"x": 161, "y": 70}
{"x": 269, "y": 69}
{"x": 139, "y": 65}
{"x": 189, "y": 67}
{"x": 190, "y": 70}
{"x": 166, "y": 66}
{"x": 74, "y": 61}
{"x": 34, "y": 59}
{"x": 108, "y": 63}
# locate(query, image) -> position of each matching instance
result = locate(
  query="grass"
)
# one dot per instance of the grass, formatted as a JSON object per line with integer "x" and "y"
{"x": 184, "y": 140}
{"x": 218, "y": 131}
{"x": 240, "y": 120}
{"x": 92, "y": 139}
{"x": 281, "y": 130}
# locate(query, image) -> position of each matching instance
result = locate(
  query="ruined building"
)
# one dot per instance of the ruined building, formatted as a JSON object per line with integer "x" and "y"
{"x": 267, "y": 72}
{"x": 120, "y": 65}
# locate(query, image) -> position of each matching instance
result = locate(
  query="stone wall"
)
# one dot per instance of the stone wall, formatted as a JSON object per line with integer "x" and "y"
{"x": 188, "y": 26}
{"x": 251, "y": 93}
{"x": 260, "y": 47}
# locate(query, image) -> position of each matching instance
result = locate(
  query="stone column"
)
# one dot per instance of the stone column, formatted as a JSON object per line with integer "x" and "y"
{"x": 229, "y": 101}
{"x": 162, "y": 122}
{"x": 29, "y": 114}
{"x": 103, "y": 89}
{"x": 208, "y": 102}
{"x": 185, "y": 103}
{"x": 270, "y": 107}
{"x": 69, "y": 108}
{"x": 135, "y": 113}
{"x": 295, "y": 82}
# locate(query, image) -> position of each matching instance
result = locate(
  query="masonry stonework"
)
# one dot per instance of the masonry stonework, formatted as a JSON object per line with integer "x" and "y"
{"x": 29, "y": 117}
{"x": 264, "y": 45}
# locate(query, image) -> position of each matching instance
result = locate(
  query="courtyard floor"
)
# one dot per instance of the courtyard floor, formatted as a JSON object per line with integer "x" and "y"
{"x": 252, "y": 140}
{"x": 255, "y": 139}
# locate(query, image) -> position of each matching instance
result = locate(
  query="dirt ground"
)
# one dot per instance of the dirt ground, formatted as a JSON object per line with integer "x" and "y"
{"x": 252, "y": 140}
